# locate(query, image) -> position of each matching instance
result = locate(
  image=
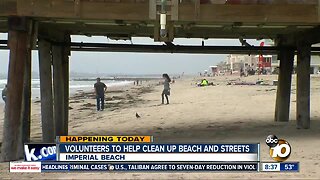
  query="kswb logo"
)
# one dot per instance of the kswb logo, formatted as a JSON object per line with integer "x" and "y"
{"x": 40, "y": 152}
{"x": 280, "y": 149}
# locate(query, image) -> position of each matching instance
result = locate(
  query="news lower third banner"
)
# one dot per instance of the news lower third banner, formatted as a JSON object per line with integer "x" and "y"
{"x": 143, "y": 152}
{"x": 132, "y": 167}
{"x": 136, "y": 153}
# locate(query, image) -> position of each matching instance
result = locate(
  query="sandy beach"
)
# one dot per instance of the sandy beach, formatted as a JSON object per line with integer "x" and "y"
{"x": 221, "y": 113}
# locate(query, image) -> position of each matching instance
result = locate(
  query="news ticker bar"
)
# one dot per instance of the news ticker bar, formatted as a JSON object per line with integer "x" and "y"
{"x": 132, "y": 167}
{"x": 153, "y": 167}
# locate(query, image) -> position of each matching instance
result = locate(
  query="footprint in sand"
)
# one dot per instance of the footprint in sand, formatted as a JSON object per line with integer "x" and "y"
{"x": 239, "y": 122}
{"x": 75, "y": 126}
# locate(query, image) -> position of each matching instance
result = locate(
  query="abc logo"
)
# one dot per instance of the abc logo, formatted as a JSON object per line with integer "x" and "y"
{"x": 280, "y": 149}
{"x": 111, "y": 167}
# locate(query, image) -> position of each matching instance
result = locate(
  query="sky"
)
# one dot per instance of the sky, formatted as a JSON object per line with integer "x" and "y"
{"x": 134, "y": 63}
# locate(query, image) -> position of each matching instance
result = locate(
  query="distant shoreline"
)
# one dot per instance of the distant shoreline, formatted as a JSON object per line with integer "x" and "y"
{"x": 119, "y": 79}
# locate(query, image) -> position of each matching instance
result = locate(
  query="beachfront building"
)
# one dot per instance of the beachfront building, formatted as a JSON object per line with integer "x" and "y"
{"x": 234, "y": 62}
{"x": 214, "y": 70}
{"x": 314, "y": 64}
{"x": 220, "y": 69}
{"x": 270, "y": 63}
{"x": 264, "y": 62}
{"x": 275, "y": 62}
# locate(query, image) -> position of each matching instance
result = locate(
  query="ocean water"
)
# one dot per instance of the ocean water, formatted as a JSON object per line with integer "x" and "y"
{"x": 74, "y": 86}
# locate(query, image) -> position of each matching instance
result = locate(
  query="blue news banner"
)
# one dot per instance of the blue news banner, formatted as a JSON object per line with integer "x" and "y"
{"x": 145, "y": 157}
{"x": 157, "y": 148}
{"x": 159, "y": 152}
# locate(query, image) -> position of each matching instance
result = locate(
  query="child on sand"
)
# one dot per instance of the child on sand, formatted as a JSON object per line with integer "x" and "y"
{"x": 166, "y": 88}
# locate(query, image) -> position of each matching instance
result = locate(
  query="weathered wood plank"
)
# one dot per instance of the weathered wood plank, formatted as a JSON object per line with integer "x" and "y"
{"x": 319, "y": 10}
{"x": 152, "y": 9}
{"x": 197, "y": 9}
{"x": 66, "y": 94}
{"x": 156, "y": 32}
{"x": 3, "y": 26}
{"x": 58, "y": 87}
{"x": 88, "y": 10}
{"x": 45, "y": 61}
{"x": 77, "y": 8}
{"x": 292, "y": 13}
{"x": 284, "y": 86}
{"x": 26, "y": 106}
{"x": 115, "y": 11}
{"x": 175, "y": 10}
{"x": 303, "y": 86}
{"x": 192, "y": 31}
{"x": 100, "y": 10}
{"x": 26, "y": 112}
{"x": 65, "y": 67}
{"x": 170, "y": 28}
{"x": 40, "y": 8}
{"x": 18, "y": 43}
{"x": 8, "y": 7}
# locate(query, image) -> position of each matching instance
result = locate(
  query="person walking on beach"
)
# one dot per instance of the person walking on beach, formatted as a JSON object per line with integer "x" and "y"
{"x": 4, "y": 93}
{"x": 166, "y": 88}
{"x": 100, "y": 89}
{"x": 4, "y": 97}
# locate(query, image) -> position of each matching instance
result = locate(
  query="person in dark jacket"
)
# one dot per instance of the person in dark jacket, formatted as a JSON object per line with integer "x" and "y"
{"x": 100, "y": 89}
{"x": 4, "y": 93}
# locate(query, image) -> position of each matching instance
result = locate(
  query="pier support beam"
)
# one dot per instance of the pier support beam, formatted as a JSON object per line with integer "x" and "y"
{"x": 18, "y": 44}
{"x": 59, "y": 84}
{"x": 45, "y": 61}
{"x": 65, "y": 67}
{"x": 26, "y": 105}
{"x": 303, "y": 86}
{"x": 27, "y": 89}
{"x": 26, "y": 109}
{"x": 284, "y": 85}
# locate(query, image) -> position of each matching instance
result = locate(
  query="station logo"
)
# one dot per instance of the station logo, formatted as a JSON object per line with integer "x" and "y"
{"x": 40, "y": 152}
{"x": 111, "y": 167}
{"x": 279, "y": 149}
